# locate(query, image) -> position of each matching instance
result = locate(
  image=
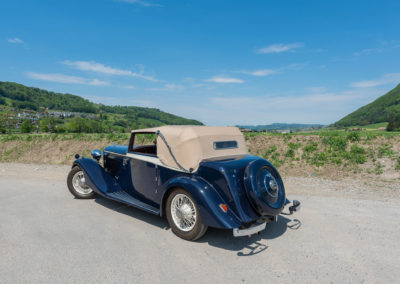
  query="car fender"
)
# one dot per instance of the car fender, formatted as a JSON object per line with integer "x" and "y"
{"x": 96, "y": 177}
{"x": 207, "y": 200}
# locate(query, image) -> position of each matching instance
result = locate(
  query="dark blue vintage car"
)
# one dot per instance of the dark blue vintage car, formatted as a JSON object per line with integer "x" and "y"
{"x": 196, "y": 176}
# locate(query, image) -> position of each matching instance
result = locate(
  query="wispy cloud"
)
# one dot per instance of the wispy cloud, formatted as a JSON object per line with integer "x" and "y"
{"x": 392, "y": 78}
{"x": 15, "y": 40}
{"x": 141, "y": 2}
{"x": 65, "y": 79}
{"x": 225, "y": 80}
{"x": 168, "y": 87}
{"x": 119, "y": 101}
{"x": 101, "y": 68}
{"x": 384, "y": 46}
{"x": 279, "y": 47}
{"x": 368, "y": 51}
{"x": 316, "y": 89}
{"x": 127, "y": 87}
{"x": 260, "y": 72}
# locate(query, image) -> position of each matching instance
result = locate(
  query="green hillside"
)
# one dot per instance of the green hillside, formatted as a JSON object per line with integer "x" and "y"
{"x": 382, "y": 109}
{"x": 16, "y": 98}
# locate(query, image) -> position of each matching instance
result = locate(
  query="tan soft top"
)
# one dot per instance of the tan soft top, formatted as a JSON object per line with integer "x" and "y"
{"x": 192, "y": 144}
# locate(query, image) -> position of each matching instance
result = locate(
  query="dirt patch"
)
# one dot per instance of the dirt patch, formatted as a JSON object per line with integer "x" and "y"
{"x": 57, "y": 152}
{"x": 306, "y": 156}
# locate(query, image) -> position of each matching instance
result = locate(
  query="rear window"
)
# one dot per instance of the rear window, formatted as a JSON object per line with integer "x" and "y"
{"x": 220, "y": 145}
{"x": 145, "y": 139}
{"x": 144, "y": 143}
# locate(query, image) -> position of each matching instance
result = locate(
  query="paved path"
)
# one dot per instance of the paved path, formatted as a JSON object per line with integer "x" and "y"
{"x": 48, "y": 236}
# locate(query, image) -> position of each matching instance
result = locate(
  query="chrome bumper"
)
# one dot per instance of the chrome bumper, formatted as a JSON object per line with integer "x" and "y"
{"x": 253, "y": 229}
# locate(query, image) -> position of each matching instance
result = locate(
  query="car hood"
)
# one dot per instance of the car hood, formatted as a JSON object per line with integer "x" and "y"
{"x": 117, "y": 149}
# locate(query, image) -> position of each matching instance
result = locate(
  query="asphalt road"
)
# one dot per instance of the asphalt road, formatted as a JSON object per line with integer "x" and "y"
{"x": 48, "y": 236}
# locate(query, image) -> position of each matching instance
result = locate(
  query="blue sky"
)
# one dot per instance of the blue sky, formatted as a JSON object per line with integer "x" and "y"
{"x": 221, "y": 62}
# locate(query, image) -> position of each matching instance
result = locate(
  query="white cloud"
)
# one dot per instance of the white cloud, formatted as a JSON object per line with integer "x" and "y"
{"x": 127, "y": 87}
{"x": 368, "y": 51}
{"x": 141, "y": 2}
{"x": 15, "y": 40}
{"x": 392, "y": 78}
{"x": 168, "y": 87}
{"x": 279, "y": 47}
{"x": 65, "y": 79}
{"x": 260, "y": 73}
{"x": 225, "y": 80}
{"x": 101, "y": 68}
{"x": 316, "y": 89}
{"x": 384, "y": 46}
{"x": 119, "y": 101}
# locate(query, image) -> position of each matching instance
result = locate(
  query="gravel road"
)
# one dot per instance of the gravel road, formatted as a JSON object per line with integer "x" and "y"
{"x": 342, "y": 235}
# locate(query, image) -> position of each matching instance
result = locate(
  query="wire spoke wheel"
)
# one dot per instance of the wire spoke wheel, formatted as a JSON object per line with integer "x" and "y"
{"x": 183, "y": 212}
{"x": 78, "y": 182}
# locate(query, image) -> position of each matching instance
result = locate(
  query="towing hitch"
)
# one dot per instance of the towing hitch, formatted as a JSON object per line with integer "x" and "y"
{"x": 295, "y": 207}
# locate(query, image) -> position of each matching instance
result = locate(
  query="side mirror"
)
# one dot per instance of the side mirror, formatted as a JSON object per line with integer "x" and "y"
{"x": 96, "y": 154}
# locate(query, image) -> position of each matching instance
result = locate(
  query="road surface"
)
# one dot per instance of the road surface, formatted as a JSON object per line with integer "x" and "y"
{"x": 48, "y": 236}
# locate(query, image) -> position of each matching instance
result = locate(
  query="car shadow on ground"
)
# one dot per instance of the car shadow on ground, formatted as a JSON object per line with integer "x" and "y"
{"x": 247, "y": 246}
{"x": 133, "y": 212}
{"x": 224, "y": 239}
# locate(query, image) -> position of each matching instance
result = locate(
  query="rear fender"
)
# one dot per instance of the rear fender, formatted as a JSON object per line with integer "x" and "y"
{"x": 208, "y": 201}
{"x": 96, "y": 177}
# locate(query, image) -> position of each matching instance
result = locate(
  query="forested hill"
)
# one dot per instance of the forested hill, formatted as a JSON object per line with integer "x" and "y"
{"x": 383, "y": 109}
{"x": 23, "y": 97}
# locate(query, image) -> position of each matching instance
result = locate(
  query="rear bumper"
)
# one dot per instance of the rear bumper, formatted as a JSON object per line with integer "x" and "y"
{"x": 260, "y": 225}
{"x": 253, "y": 229}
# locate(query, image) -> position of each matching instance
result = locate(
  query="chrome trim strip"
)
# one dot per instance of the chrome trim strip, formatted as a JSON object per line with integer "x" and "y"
{"x": 153, "y": 160}
{"x": 146, "y": 158}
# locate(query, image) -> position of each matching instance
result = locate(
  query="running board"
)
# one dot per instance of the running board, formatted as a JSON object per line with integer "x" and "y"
{"x": 124, "y": 197}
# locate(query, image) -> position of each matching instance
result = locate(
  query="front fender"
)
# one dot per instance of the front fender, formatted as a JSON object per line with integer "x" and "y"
{"x": 96, "y": 177}
{"x": 208, "y": 201}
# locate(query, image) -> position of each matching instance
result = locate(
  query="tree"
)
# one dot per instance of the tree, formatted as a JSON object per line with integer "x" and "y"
{"x": 43, "y": 125}
{"x": 2, "y": 125}
{"x": 26, "y": 126}
{"x": 394, "y": 123}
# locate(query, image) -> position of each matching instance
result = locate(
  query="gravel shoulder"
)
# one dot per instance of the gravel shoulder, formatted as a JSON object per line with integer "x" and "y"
{"x": 346, "y": 232}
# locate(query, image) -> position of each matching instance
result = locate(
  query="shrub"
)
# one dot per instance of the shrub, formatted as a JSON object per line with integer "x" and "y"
{"x": 353, "y": 136}
{"x": 269, "y": 151}
{"x": 385, "y": 151}
{"x": 336, "y": 143}
{"x": 289, "y": 153}
{"x": 26, "y": 126}
{"x": 275, "y": 159}
{"x": 294, "y": 146}
{"x": 319, "y": 159}
{"x": 310, "y": 148}
{"x": 357, "y": 154}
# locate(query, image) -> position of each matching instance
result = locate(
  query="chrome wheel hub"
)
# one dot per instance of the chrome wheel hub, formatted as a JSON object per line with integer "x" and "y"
{"x": 183, "y": 212}
{"x": 78, "y": 181}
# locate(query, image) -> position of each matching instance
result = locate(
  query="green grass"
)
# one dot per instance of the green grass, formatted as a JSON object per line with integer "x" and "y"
{"x": 345, "y": 150}
{"x": 326, "y": 132}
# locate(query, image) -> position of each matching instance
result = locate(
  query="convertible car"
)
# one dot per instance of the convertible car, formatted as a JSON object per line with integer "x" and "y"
{"x": 196, "y": 176}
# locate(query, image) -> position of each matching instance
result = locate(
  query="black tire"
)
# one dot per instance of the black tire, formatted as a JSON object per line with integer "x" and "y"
{"x": 76, "y": 170}
{"x": 199, "y": 228}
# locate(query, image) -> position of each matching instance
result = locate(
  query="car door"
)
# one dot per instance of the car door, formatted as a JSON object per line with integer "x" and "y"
{"x": 144, "y": 168}
{"x": 144, "y": 177}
